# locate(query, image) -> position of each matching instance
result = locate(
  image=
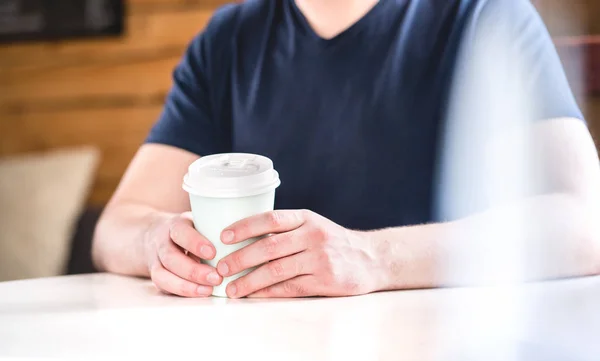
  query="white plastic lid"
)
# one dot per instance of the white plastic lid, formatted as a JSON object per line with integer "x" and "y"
{"x": 231, "y": 175}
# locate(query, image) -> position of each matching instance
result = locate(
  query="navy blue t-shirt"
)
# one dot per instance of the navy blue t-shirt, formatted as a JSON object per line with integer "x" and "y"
{"x": 352, "y": 123}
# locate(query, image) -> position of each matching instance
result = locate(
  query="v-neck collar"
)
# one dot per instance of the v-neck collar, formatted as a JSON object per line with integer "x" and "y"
{"x": 306, "y": 29}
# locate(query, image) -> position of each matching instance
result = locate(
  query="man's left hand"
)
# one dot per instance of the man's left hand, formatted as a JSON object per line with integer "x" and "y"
{"x": 303, "y": 255}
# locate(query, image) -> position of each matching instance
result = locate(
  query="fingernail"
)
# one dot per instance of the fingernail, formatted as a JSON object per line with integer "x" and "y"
{"x": 204, "y": 290}
{"x": 213, "y": 278}
{"x": 231, "y": 290}
{"x": 206, "y": 252}
{"x": 227, "y": 236}
{"x": 223, "y": 268}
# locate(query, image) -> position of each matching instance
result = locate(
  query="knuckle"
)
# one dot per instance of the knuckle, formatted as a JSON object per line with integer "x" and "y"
{"x": 319, "y": 234}
{"x": 271, "y": 244}
{"x": 304, "y": 214}
{"x": 237, "y": 260}
{"x": 350, "y": 285}
{"x": 195, "y": 274}
{"x": 161, "y": 248}
{"x": 294, "y": 288}
{"x": 275, "y": 218}
{"x": 242, "y": 228}
{"x": 265, "y": 292}
{"x": 187, "y": 289}
{"x": 276, "y": 269}
{"x": 176, "y": 231}
{"x": 299, "y": 268}
{"x": 166, "y": 258}
{"x": 154, "y": 272}
{"x": 288, "y": 287}
{"x": 158, "y": 280}
{"x": 170, "y": 223}
{"x": 195, "y": 246}
{"x": 300, "y": 215}
{"x": 179, "y": 228}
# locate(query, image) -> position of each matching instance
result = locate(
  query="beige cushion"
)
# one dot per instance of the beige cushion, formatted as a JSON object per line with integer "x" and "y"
{"x": 41, "y": 198}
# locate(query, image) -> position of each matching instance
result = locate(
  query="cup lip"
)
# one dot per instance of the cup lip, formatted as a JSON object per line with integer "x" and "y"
{"x": 266, "y": 178}
{"x": 232, "y": 193}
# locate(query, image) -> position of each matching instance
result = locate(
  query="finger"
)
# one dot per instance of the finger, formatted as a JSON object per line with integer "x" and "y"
{"x": 262, "y": 251}
{"x": 173, "y": 259}
{"x": 170, "y": 283}
{"x": 269, "y": 274}
{"x": 185, "y": 235}
{"x": 301, "y": 286}
{"x": 263, "y": 224}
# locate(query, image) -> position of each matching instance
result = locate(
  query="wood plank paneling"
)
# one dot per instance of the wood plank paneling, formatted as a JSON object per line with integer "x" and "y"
{"x": 147, "y": 35}
{"x": 144, "y": 78}
{"x": 117, "y": 132}
{"x": 575, "y": 25}
{"x": 106, "y": 93}
{"x": 570, "y": 17}
{"x": 592, "y": 113}
{"x": 581, "y": 59}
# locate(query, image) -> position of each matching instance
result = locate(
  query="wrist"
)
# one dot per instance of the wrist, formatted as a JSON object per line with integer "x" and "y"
{"x": 410, "y": 257}
{"x": 381, "y": 266}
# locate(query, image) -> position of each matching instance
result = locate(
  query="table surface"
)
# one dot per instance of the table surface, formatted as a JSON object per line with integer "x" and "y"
{"x": 102, "y": 315}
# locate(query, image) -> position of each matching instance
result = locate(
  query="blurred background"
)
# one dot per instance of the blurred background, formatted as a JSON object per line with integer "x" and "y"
{"x": 73, "y": 113}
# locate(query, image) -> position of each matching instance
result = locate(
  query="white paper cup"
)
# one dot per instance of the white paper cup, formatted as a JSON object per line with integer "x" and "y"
{"x": 226, "y": 188}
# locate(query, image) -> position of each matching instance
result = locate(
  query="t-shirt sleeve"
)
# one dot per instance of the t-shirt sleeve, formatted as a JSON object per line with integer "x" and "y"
{"x": 189, "y": 120}
{"x": 545, "y": 78}
{"x": 508, "y": 77}
{"x": 511, "y": 63}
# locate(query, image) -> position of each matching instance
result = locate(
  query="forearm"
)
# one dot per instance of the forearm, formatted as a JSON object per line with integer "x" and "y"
{"x": 119, "y": 244}
{"x": 544, "y": 237}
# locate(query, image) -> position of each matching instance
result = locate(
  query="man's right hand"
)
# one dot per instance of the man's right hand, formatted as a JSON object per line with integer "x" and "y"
{"x": 172, "y": 269}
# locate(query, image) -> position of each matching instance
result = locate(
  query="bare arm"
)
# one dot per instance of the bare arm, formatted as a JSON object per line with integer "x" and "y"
{"x": 561, "y": 241}
{"x": 551, "y": 235}
{"x": 144, "y": 229}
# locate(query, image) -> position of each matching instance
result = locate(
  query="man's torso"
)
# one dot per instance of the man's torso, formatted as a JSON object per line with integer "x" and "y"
{"x": 351, "y": 123}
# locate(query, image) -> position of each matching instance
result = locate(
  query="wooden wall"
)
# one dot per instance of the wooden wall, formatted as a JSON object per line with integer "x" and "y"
{"x": 102, "y": 92}
{"x": 110, "y": 92}
{"x": 559, "y": 16}
{"x": 575, "y": 26}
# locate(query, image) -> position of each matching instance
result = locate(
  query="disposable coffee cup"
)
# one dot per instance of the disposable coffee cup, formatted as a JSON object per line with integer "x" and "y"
{"x": 226, "y": 188}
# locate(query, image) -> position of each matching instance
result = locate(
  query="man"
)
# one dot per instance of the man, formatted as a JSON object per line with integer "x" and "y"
{"x": 349, "y": 98}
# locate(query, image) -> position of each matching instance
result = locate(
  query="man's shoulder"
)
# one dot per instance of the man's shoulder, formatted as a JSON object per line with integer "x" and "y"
{"x": 232, "y": 18}
{"x": 509, "y": 9}
{"x": 230, "y": 25}
{"x": 510, "y": 16}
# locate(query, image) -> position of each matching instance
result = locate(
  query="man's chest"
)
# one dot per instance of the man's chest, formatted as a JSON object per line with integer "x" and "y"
{"x": 345, "y": 101}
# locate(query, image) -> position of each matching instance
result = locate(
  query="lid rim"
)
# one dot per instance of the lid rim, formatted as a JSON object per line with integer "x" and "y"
{"x": 230, "y": 175}
{"x": 231, "y": 193}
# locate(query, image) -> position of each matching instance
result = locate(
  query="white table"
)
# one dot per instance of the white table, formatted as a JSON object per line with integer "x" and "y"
{"x": 110, "y": 317}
